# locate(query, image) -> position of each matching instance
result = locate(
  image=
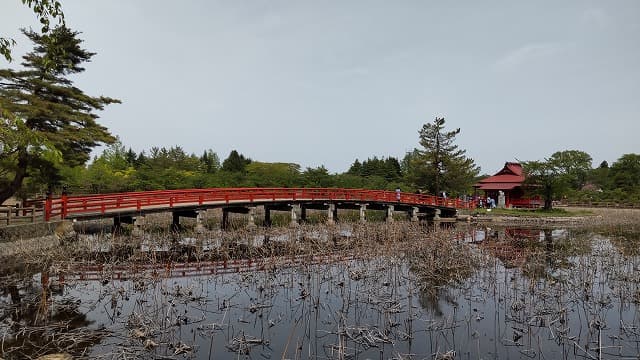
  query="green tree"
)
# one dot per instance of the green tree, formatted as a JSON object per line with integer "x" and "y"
{"x": 131, "y": 157}
{"x": 574, "y": 165}
{"x": 600, "y": 176}
{"x": 318, "y": 177}
{"x": 236, "y": 162}
{"x": 625, "y": 172}
{"x": 43, "y": 102}
{"x": 45, "y": 10}
{"x": 211, "y": 161}
{"x": 544, "y": 178}
{"x": 170, "y": 168}
{"x": 355, "y": 168}
{"x": 264, "y": 174}
{"x": 440, "y": 164}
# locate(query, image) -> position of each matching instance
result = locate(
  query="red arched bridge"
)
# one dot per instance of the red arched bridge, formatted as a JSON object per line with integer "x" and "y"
{"x": 125, "y": 207}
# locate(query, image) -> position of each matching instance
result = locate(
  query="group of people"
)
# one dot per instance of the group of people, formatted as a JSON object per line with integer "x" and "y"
{"x": 490, "y": 203}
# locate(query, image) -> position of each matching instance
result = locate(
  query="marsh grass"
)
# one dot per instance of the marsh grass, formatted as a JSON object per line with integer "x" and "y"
{"x": 382, "y": 267}
{"x": 540, "y": 213}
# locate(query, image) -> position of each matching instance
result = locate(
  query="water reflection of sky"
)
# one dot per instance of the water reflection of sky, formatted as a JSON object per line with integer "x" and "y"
{"x": 568, "y": 302}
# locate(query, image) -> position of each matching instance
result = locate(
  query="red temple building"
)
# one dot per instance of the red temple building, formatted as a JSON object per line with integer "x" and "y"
{"x": 510, "y": 181}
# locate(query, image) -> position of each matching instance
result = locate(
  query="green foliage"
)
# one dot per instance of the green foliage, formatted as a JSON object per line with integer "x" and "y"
{"x": 625, "y": 173}
{"x": 545, "y": 179}
{"x": 599, "y": 177}
{"x": 211, "y": 161}
{"x": 235, "y": 162}
{"x": 568, "y": 175}
{"x": 350, "y": 181}
{"x": 45, "y": 10}
{"x": 318, "y": 177}
{"x": 54, "y": 119}
{"x": 388, "y": 168}
{"x": 440, "y": 164}
{"x": 574, "y": 165}
{"x": 263, "y": 174}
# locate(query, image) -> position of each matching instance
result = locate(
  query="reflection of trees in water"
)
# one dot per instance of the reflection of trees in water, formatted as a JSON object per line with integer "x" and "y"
{"x": 440, "y": 264}
{"x": 430, "y": 299}
{"x": 538, "y": 252}
{"x": 39, "y": 322}
{"x": 626, "y": 241}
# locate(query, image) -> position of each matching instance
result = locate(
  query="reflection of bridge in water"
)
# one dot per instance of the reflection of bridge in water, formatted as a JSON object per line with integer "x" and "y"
{"x": 502, "y": 243}
{"x": 131, "y": 207}
{"x": 509, "y": 244}
{"x": 108, "y": 272}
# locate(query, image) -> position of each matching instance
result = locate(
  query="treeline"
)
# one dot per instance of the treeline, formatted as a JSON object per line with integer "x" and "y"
{"x": 569, "y": 175}
{"x": 119, "y": 169}
{"x": 618, "y": 182}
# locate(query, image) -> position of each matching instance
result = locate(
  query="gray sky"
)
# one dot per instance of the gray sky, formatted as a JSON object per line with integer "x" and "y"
{"x": 326, "y": 82}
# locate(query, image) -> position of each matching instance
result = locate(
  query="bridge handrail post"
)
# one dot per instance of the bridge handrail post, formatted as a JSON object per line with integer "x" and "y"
{"x": 64, "y": 205}
{"x": 47, "y": 207}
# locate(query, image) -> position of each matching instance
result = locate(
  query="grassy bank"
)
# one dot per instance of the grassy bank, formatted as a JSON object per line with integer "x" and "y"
{"x": 555, "y": 212}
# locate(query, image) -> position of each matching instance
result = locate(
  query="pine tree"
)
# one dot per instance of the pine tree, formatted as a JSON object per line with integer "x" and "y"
{"x": 235, "y": 162}
{"x": 210, "y": 161}
{"x": 355, "y": 169}
{"x": 53, "y": 119}
{"x": 440, "y": 165}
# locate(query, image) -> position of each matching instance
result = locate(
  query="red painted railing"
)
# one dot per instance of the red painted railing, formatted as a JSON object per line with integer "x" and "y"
{"x": 527, "y": 203}
{"x": 66, "y": 206}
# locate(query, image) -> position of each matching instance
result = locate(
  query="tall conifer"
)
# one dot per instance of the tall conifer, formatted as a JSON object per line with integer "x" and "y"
{"x": 52, "y": 119}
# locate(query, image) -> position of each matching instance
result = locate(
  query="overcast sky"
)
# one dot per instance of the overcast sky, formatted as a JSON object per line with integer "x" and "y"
{"x": 326, "y": 82}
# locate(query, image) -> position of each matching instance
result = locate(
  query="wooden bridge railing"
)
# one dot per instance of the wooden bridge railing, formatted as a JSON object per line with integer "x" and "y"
{"x": 19, "y": 215}
{"x": 68, "y": 205}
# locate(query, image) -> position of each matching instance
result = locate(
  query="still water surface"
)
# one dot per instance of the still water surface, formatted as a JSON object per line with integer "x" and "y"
{"x": 561, "y": 294}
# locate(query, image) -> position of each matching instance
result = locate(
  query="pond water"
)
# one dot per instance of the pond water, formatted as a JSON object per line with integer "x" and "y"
{"x": 539, "y": 294}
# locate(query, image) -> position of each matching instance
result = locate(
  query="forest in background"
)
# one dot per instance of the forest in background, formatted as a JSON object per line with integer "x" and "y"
{"x": 120, "y": 169}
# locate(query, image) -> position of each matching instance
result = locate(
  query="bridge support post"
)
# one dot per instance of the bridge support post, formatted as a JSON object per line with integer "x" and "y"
{"x": 138, "y": 226}
{"x": 252, "y": 218}
{"x": 436, "y": 218}
{"x": 413, "y": 214}
{"x": 294, "y": 215}
{"x": 224, "y": 224}
{"x": 175, "y": 222}
{"x": 119, "y": 220}
{"x": 363, "y": 213}
{"x": 199, "y": 225}
{"x": 332, "y": 214}
{"x": 389, "y": 217}
{"x": 267, "y": 216}
{"x": 303, "y": 213}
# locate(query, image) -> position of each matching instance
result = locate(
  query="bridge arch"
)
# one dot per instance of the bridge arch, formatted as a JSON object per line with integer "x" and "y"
{"x": 188, "y": 202}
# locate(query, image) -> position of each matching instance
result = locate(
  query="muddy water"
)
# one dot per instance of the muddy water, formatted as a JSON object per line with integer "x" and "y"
{"x": 544, "y": 294}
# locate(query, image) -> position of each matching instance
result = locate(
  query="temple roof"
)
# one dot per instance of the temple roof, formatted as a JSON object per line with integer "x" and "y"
{"x": 509, "y": 177}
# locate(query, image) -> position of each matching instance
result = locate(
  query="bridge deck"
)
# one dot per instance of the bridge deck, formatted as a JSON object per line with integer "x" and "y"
{"x": 113, "y": 205}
